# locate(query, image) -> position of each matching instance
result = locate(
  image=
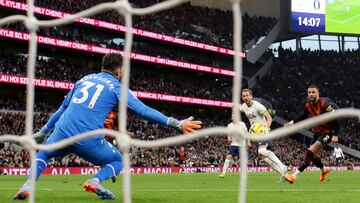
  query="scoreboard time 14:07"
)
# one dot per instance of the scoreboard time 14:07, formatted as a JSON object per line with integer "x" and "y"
{"x": 308, "y": 15}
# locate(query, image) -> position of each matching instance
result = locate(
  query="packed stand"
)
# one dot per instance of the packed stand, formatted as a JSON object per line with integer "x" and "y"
{"x": 336, "y": 75}
{"x": 167, "y": 52}
{"x": 182, "y": 21}
{"x": 181, "y": 85}
{"x": 205, "y": 152}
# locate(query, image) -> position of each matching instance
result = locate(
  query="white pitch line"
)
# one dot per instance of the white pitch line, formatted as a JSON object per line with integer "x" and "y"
{"x": 345, "y": 21}
{"x": 207, "y": 190}
{"x": 335, "y": 21}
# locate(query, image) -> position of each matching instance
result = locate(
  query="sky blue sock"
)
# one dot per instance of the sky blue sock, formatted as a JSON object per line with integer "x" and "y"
{"x": 108, "y": 171}
{"x": 41, "y": 162}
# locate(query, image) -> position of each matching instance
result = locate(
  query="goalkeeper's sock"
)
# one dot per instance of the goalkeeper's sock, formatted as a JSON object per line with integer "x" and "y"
{"x": 108, "y": 171}
{"x": 226, "y": 165}
{"x": 41, "y": 162}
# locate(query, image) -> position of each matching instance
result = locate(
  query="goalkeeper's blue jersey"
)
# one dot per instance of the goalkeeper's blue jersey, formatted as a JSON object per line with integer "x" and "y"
{"x": 90, "y": 101}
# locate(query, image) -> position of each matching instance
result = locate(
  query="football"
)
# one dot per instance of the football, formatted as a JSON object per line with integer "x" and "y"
{"x": 258, "y": 128}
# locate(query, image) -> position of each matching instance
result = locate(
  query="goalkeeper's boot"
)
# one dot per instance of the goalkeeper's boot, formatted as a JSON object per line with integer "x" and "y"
{"x": 323, "y": 174}
{"x": 289, "y": 178}
{"x": 93, "y": 185}
{"x": 222, "y": 175}
{"x": 22, "y": 194}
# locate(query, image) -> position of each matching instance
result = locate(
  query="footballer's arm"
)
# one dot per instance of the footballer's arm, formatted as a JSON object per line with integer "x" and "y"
{"x": 268, "y": 119}
{"x": 229, "y": 139}
{"x": 50, "y": 125}
{"x": 301, "y": 117}
{"x": 186, "y": 126}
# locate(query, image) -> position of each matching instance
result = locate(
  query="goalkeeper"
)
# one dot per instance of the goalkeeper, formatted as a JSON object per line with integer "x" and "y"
{"x": 84, "y": 109}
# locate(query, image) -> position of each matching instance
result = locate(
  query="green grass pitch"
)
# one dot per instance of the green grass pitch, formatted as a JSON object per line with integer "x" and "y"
{"x": 200, "y": 188}
{"x": 343, "y": 17}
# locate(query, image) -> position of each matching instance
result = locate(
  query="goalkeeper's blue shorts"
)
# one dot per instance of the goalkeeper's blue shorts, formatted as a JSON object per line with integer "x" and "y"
{"x": 97, "y": 151}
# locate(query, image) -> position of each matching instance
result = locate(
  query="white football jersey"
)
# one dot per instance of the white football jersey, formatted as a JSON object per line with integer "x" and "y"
{"x": 338, "y": 152}
{"x": 255, "y": 112}
{"x": 244, "y": 130}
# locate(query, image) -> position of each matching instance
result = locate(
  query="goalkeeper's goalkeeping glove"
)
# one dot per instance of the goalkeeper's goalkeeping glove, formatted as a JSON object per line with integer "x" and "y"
{"x": 186, "y": 125}
{"x": 41, "y": 135}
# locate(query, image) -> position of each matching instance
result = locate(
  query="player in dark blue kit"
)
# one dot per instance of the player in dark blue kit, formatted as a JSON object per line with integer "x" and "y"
{"x": 84, "y": 109}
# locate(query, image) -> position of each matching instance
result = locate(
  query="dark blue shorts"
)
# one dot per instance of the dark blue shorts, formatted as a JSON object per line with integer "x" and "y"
{"x": 234, "y": 150}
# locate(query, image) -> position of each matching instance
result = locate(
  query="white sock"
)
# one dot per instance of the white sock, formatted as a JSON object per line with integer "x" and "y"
{"x": 276, "y": 160}
{"x": 275, "y": 163}
{"x": 274, "y": 166}
{"x": 296, "y": 173}
{"x": 226, "y": 165}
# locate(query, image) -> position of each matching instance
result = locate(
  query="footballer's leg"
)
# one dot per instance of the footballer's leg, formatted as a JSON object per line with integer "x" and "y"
{"x": 42, "y": 158}
{"x": 305, "y": 163}
{"x": 109, "y": 158}
{"x": 324, "y": 170}
{"x": 309, "y": 157}
{"x": 233, "y": 151}
{"x": 321, "y": 142}
{"x": 228, "y": 161}
{"x": 270, "y": 158}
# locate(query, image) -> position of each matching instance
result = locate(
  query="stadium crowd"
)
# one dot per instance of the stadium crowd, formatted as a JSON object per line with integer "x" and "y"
{"x": 205, "y": 152}
{"x": 287, "y": 102}
{"x": 336, "y": 75}
{"x": 85, "y": 37}
{"x": 186, "y": 21}
{"x": 149, "y": 81}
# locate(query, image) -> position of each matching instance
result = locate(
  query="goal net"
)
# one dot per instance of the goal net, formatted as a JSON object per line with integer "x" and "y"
{"x": 124, "y": 8}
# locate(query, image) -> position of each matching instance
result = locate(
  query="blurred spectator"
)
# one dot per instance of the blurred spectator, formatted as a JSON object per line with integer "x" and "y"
{"x": 181, "y": 155}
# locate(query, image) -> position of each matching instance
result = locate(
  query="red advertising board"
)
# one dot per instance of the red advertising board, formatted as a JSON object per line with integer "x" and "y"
{"x": 154, "y": 170}
{"x": 116, "y": 27}
{"x": 14, "y": 79}
{"x": 11, "y": 34}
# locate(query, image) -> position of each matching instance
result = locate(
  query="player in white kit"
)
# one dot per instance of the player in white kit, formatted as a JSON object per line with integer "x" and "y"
{"x": 234, "y": 148}
{"x": 257, "y": 113}
{"x": 338, "y": 154}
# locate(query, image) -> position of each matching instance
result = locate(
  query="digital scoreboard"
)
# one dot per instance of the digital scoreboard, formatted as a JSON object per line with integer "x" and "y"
{"x": 331, "y": 16}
